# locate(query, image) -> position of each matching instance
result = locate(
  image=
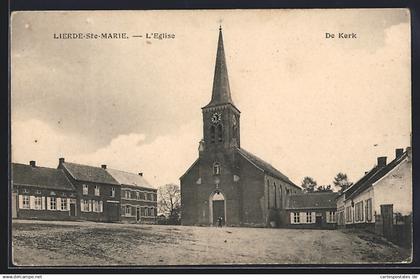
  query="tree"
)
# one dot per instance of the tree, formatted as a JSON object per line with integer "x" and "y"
{"x": 308, "y": 184}
{"x": 341, "y": 182}
{"x": 169, "y": 202}
{"x": 324, "y": 188}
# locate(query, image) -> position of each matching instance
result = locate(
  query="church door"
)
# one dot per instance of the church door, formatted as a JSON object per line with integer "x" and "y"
{"x": 218, "y": 212}
{"x": 217, "y": 208}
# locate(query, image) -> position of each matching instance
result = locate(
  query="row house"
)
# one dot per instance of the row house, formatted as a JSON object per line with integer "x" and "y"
{"x": 81, "y": 192}
{"x": 385, "y": 190}
{"x": 98, "y": 193}
{"x": 312, "y": 210}
{"x": 42, "y": 193}
{"x": 138, "y": 197}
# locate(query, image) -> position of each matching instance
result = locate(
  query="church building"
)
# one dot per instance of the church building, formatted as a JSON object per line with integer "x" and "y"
{"x": 226, "y": 183}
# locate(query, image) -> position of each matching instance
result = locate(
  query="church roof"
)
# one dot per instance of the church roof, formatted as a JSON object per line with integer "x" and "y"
{"x": 221, "y": 90}
{"x": 89, "y": 173}
{"x": 41, "y": 177}
{"x": 129, "y": 179}
{"x": 313, "y": 200}
{"x": 266, "y": 167}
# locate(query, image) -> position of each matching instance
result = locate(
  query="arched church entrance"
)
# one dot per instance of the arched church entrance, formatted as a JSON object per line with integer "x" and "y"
{"x": 217, "y": 208}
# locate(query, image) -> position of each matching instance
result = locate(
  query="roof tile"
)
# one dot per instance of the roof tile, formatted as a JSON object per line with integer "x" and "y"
{"x": 41, "y": 177}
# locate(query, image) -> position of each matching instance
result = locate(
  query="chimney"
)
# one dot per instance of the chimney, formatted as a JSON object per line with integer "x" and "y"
{"x": 140, "y": 173}
{"x": 381, "y": 161}
{"x": 61, "y": 160}
{"x": 32, "y": 163}
{"x": 399, "y": 152}
{"x": 103, "y": 166}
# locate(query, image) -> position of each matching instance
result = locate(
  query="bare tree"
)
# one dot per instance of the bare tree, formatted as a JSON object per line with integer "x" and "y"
{"x": 169, "y": 199}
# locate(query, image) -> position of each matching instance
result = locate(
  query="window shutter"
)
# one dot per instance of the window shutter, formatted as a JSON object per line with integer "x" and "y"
{"x": 43, "y": 203}
{"x": 101, "y": 209}
{"x": 90, "y": 205}
{"x": 20, "y": 201}
{"x": 58, "y": 204}
{"x": 292, "y": 219}
{"x": 82, "y": 207}
{"x": 68, "y": 204}
{"x": 31, "y": 202}
{"x": 48, "y": 203}
{"x": 313, "y": 217}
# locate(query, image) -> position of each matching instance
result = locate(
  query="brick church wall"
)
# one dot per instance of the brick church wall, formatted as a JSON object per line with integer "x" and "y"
{"x": 254, "y": 204}
{"x": 188, "y": 197}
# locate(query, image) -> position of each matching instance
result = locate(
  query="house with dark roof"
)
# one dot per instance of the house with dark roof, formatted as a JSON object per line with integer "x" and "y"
{"x": 312, "y": 210}
{"x": 383, "y": 191}
{"x": 98, "y": 193}
{"x": 226, "y": 183}
{"x": 42, "y": 193}
{"x": 138, "y": 197}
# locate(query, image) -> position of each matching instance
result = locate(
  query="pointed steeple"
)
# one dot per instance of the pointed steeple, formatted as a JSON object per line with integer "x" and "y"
{"x": 221, "y": 90}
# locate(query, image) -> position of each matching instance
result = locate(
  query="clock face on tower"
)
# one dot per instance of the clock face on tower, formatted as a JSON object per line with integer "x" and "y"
{"x": 216, "y": 117}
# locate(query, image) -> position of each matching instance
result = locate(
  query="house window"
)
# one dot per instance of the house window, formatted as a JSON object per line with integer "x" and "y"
{"x": 127, "y": 194}
{"x": 138, "y": 195}
{"x": 369, "y": 210}
{"x": 359, "y": 211}
{"x": 331, "y": 217}
{"x": 85, "y": 205}
{"x": 38, "y": 203}
{"x": 25, "y": 202}
{"x": 63, "y": 204}
{"x": 152, "y": 211}
{"x": 212, "y": 134}
{"x": 127, "y": 210}
{"x": 143, "y": 211}
{"x": 113, "y": 192}
{"x": 97, "y": 192}
{"x": 216, "y": 168}
{"x": 220, "y": 133}
{"x": 150, "y": 196}
{"x": 349, "y": 218}
{"x": 85, "y": 189}
{"x": 295, "y": 218}
{"x": 95, "y": 205}
{"x": 309, "y": 217}
{"x": 142, "y": 196}
{"x": 53, "y": 203}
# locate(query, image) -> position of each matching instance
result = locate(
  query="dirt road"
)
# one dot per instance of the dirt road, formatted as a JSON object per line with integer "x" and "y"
{"x": 85, "y": 244}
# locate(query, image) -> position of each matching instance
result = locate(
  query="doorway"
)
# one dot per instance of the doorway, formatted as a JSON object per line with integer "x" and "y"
{"x": 72, "y": 209}
{"x": 137, "y": 214}
{"x": 217, "y": 208}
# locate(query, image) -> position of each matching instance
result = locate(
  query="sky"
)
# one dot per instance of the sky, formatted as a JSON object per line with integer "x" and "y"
{"x": 310, "y": 106}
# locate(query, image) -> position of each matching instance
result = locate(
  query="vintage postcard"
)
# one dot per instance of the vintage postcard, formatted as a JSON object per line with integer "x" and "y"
{"x": 211, "y": 137}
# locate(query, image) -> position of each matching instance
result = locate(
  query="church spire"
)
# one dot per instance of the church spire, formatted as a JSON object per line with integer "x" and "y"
{"x": 221, "y": 90}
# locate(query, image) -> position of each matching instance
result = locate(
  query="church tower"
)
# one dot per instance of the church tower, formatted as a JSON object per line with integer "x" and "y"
{"x": 221, "y": 129}
{"x": 227, "y": 184}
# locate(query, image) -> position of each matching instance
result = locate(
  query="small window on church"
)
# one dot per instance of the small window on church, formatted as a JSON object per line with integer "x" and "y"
{"x": 216, "y": 168}
{"x": 220, "y": 133}
{"x": 212, "y": 134}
